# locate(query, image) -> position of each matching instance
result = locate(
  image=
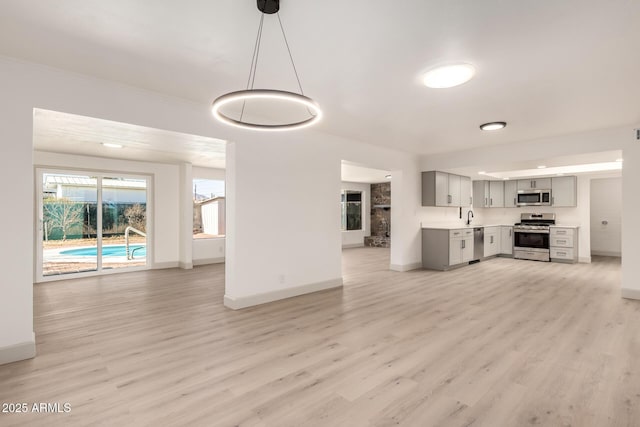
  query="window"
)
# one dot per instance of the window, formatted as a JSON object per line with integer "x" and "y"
{"x": 351, "y": 202}
{"x": 208, "y": 208}
{"x": 91, "y": 222}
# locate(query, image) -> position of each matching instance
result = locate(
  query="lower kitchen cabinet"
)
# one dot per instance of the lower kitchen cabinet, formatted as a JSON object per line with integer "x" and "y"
{"x": 443, "y": 248}
{"x": 563, "y": 244}
{"x": 506, "y": 240}
{"x": 491, "y": 241}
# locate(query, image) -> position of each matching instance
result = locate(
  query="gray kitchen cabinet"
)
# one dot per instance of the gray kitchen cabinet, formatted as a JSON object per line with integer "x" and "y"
{"x": 491, "y": 241}
{"x": 510, "y": 194}
{"x": 488, "y": 194}
{"x": 454, "y": 190}
{"x": 444, "y": 189}
{"x": 496, "y": 194}
{"x": 443, "y": 248}
{"x": 480, "y": 194}
{"x": 534, "y": 184}
{"x": 465, "y": 191}
{"x": 563, "y": 244}
{"x": 564, "y": 191}
{"x": 506, "y": 240}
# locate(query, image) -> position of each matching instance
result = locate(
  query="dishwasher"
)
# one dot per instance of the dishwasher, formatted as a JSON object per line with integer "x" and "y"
{"x": 478, "y": 244}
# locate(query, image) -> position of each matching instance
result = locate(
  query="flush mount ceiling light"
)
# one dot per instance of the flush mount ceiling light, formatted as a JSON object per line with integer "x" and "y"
{"x": 493, "y": 126}
{"x": 542, "y": 167}
{"x": 111, "y": 145}
{"x": 448, "y": 76}
{"x": 267, "y": 7}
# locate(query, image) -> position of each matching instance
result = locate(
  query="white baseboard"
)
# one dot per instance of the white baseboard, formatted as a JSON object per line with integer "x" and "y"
{"x": 162, "y": 265}
{"x": 185, "y": 265}
{"x": 405, "y": 267}
{"x": 353, "y": 245}
{"x": 584, "y": 259}
{"x": 606, "y": 253}
{"x": 20, "y": 351}
{"x": 630, "y": 293}
{"x": 206, "y": 261}
{"x": 236, "y": 303}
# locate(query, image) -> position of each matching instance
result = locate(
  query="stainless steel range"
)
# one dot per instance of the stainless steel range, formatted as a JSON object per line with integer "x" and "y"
{"x": 531, "y": 236}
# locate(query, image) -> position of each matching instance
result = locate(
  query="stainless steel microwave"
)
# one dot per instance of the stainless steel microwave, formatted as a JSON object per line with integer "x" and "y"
{"x": 534, "y": 198}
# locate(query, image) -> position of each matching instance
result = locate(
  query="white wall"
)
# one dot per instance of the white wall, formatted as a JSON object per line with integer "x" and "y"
{"x": 164, "y": 199}
{"x": 606, "y": 206}
{"x": 355, "y": 238}
{"x": 208, "y": 251}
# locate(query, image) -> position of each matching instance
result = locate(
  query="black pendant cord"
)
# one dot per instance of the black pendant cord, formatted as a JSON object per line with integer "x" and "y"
{"x": 293, "y": 64}
{"x": 254, "y": 61}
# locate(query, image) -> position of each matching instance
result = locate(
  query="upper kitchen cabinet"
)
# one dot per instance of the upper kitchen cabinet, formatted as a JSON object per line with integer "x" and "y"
{"x": 563, "y": 191}
{"x": 488, "y": 194}
{"x": 510, "y": 194}
{"x": 465, "y": 191}
{"x": 444, "y": 189}
{"x": 534, "y": 184}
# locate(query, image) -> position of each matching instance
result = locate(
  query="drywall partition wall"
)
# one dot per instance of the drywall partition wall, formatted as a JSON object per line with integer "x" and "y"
{"x": 283, "y": 221}
{"x": 405, "y": 201}
{"x": 208, "y": 173}
{"x": 208, "y": 251}
{"x": 185, "y": 209}
{"x": 606, "y": 216}
{"x": 17, "y": 340}
{"x": 630, "y": 223}
{"x": 355, "y": 238}
{"x": 164, "y": 197}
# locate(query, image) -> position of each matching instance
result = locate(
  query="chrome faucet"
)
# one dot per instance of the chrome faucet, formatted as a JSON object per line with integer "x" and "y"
{"x": 469, "y": 219}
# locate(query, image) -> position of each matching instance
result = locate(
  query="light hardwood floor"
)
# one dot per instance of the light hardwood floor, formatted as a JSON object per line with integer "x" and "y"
{"x": 500, "y": 343}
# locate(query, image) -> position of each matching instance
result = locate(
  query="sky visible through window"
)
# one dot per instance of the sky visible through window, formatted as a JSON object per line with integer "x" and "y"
{"x": 207, "y": 188}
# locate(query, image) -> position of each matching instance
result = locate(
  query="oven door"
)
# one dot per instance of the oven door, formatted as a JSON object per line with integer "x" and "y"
{"x": 531, "y": 239}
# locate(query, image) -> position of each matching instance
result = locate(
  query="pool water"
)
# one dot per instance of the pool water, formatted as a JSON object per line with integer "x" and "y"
{"x": 113, "y": 250}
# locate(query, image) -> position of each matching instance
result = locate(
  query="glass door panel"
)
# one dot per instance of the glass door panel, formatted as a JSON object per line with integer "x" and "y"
{"x": 68, "y": 223}
{"x": 124, "y": 222}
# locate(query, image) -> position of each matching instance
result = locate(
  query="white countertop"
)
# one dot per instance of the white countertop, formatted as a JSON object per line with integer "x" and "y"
{"x": 462, "y": 227}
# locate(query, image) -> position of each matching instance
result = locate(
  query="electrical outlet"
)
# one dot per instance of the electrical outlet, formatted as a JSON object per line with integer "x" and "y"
{"x": 281, "y": 278}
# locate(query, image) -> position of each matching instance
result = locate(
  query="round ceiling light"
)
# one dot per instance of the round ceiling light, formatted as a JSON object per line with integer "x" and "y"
{"x": 493, "y": 126}
{"x": 448, "y": 76}
{"x": 280, "y": 95}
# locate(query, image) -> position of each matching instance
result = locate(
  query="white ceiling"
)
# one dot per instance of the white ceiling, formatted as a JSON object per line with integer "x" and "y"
{"x": 604, "y": 163}
{"x": 546, "y": 67}
{"x": 355, "y": 173}
{"x": 72, "y": 134}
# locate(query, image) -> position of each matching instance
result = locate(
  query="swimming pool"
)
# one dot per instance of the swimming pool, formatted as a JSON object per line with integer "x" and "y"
{"x": 139, "y": 251}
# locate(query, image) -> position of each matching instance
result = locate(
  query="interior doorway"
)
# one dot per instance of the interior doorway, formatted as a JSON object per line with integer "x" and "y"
{"x": 606, "y": 216}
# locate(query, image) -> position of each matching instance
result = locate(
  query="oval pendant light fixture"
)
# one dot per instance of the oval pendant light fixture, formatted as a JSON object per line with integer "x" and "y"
{"x": 267, "y": 7}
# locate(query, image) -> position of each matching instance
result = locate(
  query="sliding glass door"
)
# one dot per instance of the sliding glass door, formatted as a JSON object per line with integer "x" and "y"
{"x": 90, "y": 223}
